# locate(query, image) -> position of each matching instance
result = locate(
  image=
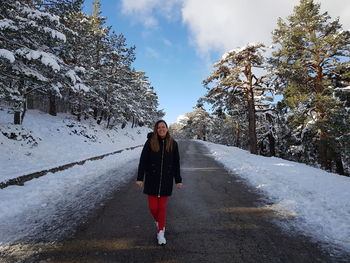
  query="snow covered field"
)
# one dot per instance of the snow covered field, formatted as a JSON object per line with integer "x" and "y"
{"x": 318, "y": 201}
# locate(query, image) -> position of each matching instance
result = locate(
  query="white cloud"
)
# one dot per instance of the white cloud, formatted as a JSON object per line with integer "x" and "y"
{"x": 233, "y": 23}
{"x": 152, "y": 53}
{"x": 146, "y": 11}
{"x": 222, "y": 25}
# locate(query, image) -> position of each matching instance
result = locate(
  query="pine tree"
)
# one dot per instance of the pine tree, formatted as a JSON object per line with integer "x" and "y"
{"x": 143, "y": 101}
{"x": 58, "y": 7}
{"x": 310, "y": 47}
{"x": 237, "y": 88}
{"x": 53, "y": 51}
{"x": 30, "y": 41}
{"x": 200, "y": 122}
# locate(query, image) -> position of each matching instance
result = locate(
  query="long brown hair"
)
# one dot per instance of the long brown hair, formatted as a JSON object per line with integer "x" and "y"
{"x": 155, "y": 142}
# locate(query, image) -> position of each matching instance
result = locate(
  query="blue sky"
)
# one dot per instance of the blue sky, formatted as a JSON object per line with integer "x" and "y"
{"x": 178, "y": 40}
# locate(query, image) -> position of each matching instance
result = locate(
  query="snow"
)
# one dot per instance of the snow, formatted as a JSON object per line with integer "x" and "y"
{"x": 7, "y": 54}
{"x": 30, "y": 72}
{"x": 55, "y": 34}
{"x": 25, "y": 211}
{"x": 73, "y": 76}
{"x": 79, "y": 69}
{"x": 47, "y": 59}
{"x": 238, "y": 50}
{"x": 344, "y": 89}
{"x": 38, "y": 15}
{"x": 7, "y": 24}
{"x": 318, "y": 201}
{"x": 59, "y": 140}
{"x": 81, "y": 87}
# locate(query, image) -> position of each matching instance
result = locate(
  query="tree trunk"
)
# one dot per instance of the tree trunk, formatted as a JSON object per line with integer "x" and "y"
{"x": 24, "y": 109}
{"x": 52, "y": 105}
{"x": 30, "y": 102}
{"x": 108, "y": 120}
{"x": 25, "y": 99}
{"x": 251, "y": 111}
{"x": 272, "y": 143}
{"x": 17, "y": 111}
{"x": 79, "y": 109}
{"x": 238, "y": 134}
{"x": 17, "y": 118}
{"x": 339, "y": 165}
{"x": 252, "y": 125}
{"x": 323, "y": 153}
{"x": 95, "y": 113}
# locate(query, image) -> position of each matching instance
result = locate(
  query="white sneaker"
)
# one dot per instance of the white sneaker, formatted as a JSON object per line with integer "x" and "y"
{"x": 161, "y": 238}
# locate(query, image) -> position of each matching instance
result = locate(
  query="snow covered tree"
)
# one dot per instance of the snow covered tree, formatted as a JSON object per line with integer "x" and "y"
{"x": 58, "y": 7}
{"x": 30, "y": 40}
{"x": 224, "y": 129}
{"x": 56, "y": 57}
{"x": 236, "y": 87}
{"x": 177, "y": 129}
{"x": 144, "y": 100}
{"x": 266, "y": 132}
{"x": 310, "y": 47}
{"x": 199, "y": 122}
{"x": 194, "y": 125}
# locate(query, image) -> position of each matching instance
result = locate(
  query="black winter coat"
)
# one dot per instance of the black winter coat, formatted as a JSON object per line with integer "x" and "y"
{"x": 159, "y": 169}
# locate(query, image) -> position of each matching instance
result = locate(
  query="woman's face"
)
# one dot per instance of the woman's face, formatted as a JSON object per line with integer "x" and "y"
{"x": 162, "y": 129}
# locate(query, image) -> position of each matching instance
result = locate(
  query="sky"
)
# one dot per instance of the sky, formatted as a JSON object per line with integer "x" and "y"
{"x": 177, "y": 41}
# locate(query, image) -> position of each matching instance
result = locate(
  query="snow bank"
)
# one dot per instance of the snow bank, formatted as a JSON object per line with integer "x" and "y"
{"x": 51, "y": 206}
{"x": 45, "y": 141}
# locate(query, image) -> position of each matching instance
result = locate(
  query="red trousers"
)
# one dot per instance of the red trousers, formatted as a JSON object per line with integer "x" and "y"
{"x": 157, "y": 207}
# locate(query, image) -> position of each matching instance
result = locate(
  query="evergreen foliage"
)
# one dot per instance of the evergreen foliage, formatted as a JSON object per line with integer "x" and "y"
{"x": 309, "y": 69}
{"x": 55, "y": 57}
{"x": 236, "y": 88}
{"x": 311, "y": 51}
{"x": 32, "y": 40}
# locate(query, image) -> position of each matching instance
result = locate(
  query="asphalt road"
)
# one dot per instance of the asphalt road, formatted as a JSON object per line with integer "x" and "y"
{"x": 214, "y": 218}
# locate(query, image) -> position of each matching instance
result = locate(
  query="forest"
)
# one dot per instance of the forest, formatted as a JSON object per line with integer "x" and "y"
{"x": 290, "y": 100}
{"x": 56, "y": 58}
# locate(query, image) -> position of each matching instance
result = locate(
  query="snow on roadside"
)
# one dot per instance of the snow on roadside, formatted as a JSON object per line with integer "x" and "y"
{"x": 49, "y": 207}
{"x": 318, "y": 200}
{"x": 44, "y": 141}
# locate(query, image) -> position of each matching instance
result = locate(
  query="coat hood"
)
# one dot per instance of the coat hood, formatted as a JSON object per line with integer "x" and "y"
{"x": 149, "y": 135}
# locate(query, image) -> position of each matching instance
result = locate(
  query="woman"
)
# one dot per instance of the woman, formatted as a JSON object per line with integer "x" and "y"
{"x": 159, "y": 166}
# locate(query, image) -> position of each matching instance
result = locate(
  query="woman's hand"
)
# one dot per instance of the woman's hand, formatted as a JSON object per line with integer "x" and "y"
{"x": 179, "y": 186}
{"x": 139, "y": 183}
